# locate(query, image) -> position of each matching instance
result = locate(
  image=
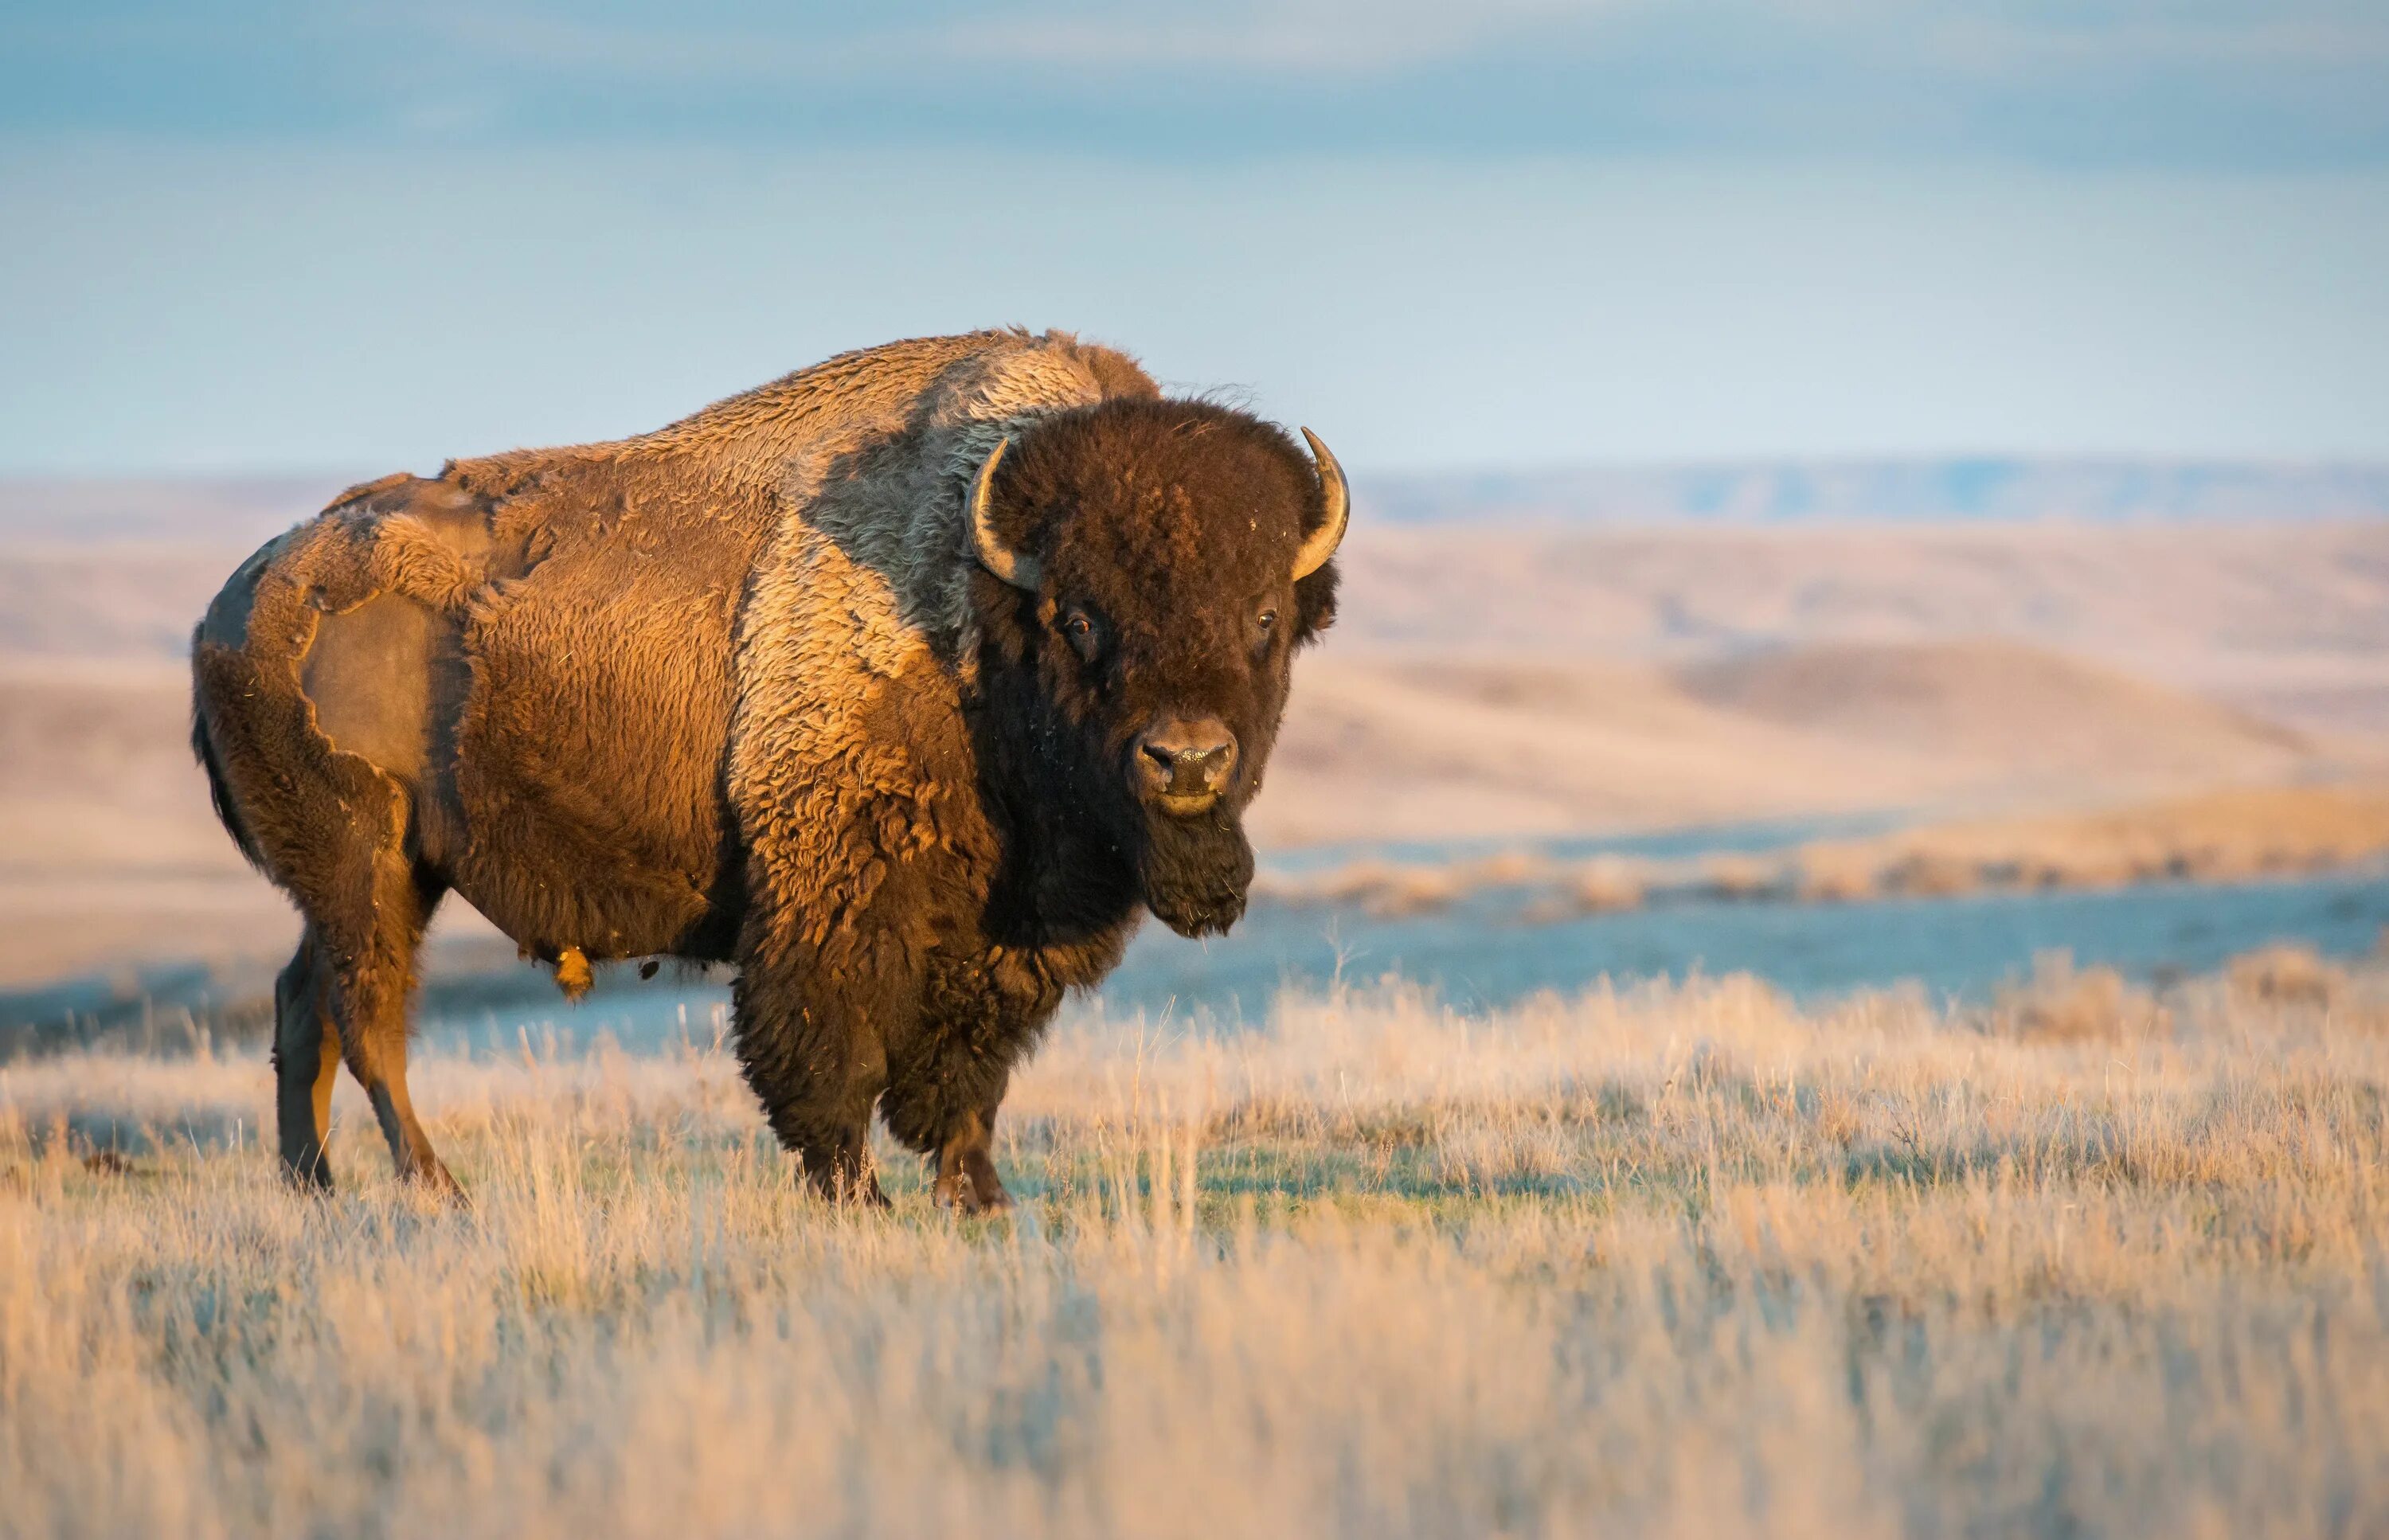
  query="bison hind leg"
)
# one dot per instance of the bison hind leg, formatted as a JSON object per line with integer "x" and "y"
{"x": 364, "y": 935}
{"x": 344, "y": 996}
{"x": 372, "y": 1000}
{"x": 306, "y": 1059}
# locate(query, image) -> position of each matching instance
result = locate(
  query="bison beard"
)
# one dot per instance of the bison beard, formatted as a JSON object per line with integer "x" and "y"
{"x": 1196, "y": 870}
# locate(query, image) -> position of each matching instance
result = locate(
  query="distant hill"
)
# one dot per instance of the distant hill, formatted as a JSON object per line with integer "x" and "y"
{"x": 1998, "y": 707}
{"x": 2088, "y": 490}
{"x": 1379, "y": 746}
{"x": 2289, "y": 620}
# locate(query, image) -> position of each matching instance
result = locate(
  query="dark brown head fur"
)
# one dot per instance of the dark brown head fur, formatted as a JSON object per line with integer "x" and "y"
{"x": 1138, "y": 691}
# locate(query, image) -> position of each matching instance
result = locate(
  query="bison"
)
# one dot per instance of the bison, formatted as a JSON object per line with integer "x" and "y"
{"x": 904, "y": 684}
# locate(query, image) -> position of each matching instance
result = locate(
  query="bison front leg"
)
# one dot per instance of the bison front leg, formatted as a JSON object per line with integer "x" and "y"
{"x": 952, "y": 1122}
{"x": 944, "y": 1094}
{"x": 967, "y": 1178}
{"x": 811, "y": 1044}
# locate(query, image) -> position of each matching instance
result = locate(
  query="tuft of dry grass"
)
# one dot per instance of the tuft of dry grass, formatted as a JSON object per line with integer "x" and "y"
{"x": 1605, "y": 885}
{"x": 1393, "y": 890}
{"x": 1651, "y": 1261}
{"x": 2285, "y": 973}
{"x": 2062, "y": 1003}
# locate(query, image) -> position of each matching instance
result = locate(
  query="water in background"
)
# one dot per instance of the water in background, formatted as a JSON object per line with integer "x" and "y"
{"x": 1745, "y": 837}
{"x": 1478, "y": 955}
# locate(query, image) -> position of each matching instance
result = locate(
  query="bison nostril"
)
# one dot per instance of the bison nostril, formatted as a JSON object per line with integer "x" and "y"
{"x": 1213, "y": 763}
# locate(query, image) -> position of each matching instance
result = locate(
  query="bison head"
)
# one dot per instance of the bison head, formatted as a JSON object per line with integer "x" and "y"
{"x": 1151, "y": 567}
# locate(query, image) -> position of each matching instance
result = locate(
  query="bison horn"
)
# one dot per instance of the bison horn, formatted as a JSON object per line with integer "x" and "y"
{"x": 1330, "y": 533}
{"x": 1013, "y": 566}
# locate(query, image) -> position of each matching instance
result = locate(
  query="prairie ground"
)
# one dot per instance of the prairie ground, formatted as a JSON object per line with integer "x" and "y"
{"x": 1672, "y": 1260}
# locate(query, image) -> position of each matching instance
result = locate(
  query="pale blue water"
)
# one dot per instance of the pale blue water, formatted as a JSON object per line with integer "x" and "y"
{"x": 1753, "y": 837}
{"x": 1479, "y": 956}
{"x": 1476, "y": 955}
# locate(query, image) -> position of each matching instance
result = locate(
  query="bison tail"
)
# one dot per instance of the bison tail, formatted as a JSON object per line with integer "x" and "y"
{"x": 219, "y": 791}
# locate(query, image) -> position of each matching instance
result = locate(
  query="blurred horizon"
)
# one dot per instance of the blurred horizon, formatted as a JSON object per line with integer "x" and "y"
{"x": 264, "y": 238}
{"x": 2088, "y": 491}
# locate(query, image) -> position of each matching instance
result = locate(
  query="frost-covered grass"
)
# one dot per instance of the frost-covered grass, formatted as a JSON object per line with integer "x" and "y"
{"x": 1675, "y": 1260}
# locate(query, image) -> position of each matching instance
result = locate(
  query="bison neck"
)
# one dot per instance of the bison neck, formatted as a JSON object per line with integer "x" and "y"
{"x": 1068, "y": 877}
{"x": 1061, "y": 882}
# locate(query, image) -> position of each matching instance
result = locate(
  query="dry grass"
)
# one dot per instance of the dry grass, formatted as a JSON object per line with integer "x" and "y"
{"x": 2062, "y": 1003}
{"x": 1663, "y": 1261}
{"x": 2218, "y": 836}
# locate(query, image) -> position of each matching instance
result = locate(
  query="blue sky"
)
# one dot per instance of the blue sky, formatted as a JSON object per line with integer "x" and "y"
{"x": 359, "y": 237}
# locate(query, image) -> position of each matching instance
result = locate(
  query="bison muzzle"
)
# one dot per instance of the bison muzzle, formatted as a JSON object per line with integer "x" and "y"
{"x": 904, "y": 684}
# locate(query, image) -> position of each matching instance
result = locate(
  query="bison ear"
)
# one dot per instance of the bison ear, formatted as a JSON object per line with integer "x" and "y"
{"x": 1314, "y": 604}
{"x": 1017, "y": 567}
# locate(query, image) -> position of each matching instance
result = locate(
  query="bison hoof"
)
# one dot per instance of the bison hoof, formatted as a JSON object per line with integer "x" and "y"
{"x": 434, "y": 1182}
{"x": 974, "y": 1188}
{"x": 859, "y": 1192}
{"x": 963, "y": 1198}
{"x": 313, "y": 1178}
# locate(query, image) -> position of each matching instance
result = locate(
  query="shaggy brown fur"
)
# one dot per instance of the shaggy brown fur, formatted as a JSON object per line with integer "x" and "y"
{"x": 738, "y": 691}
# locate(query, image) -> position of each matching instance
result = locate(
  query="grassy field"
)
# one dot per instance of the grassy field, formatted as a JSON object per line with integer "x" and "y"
{"x": 1679, "y": 1260}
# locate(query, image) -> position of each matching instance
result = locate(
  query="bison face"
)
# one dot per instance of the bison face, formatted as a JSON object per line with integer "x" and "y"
{"x": 1156, "y": 566}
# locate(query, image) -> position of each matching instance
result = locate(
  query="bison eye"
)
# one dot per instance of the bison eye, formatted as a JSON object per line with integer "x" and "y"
{"x": 1265, "y": 620}
{"x": 1085, "y": 637}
